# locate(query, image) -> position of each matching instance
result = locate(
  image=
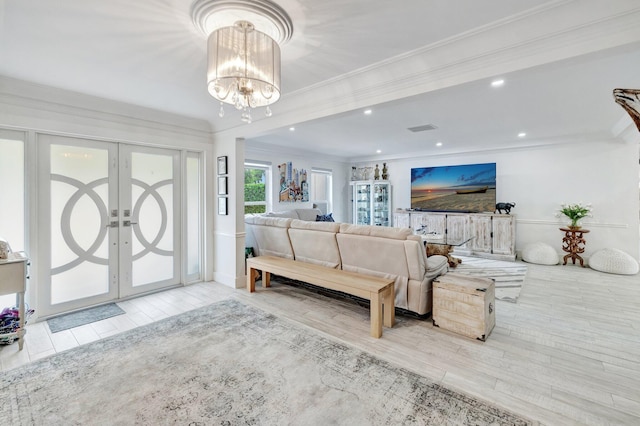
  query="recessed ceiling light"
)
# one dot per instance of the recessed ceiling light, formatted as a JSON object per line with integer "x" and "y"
{"x": 497, "y": 83}
{"x": 378, "y": 151}
{"x": 291, "y": 129}
{"x": 522, "y": 134}
{"x": 367, "y": 112}
{"x": 439, "y": 144}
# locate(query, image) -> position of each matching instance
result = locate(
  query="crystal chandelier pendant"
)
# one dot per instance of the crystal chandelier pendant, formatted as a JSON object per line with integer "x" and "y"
{"x": 268, "y": 112}
{"x": 221, "y": 111}
{"x": 246, "y": 115}
{"x": 237, "y": 101}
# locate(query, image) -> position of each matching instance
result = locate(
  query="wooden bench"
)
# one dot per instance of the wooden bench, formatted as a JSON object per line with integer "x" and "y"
{"x": 379, "y": 291}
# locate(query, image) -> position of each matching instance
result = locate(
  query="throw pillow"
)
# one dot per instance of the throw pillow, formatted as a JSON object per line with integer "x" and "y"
{"x": 325, "y": 218}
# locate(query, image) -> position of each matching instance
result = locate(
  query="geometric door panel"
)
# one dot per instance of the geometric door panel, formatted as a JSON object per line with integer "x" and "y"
{"x": 110, "y": 221}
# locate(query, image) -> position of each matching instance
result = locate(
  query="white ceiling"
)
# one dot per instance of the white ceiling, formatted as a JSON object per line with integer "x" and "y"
{"x": 560, "y": 61}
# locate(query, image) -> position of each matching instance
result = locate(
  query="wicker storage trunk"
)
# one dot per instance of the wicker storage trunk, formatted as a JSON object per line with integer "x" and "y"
{"x": 464, "y": 304}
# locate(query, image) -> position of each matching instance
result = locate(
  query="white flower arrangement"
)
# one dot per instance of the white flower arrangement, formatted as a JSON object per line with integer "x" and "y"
{"x": 575, "y": 212}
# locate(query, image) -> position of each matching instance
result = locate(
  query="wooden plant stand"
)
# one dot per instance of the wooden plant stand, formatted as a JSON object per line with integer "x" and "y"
{"x": 573, "y": 243}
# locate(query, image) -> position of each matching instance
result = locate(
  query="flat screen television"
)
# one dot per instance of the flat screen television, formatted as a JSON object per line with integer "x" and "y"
{"x": 468, "y": 188}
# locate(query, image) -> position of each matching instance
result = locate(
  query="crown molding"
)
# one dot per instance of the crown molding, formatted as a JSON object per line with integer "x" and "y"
{"x": 22, "y": 97}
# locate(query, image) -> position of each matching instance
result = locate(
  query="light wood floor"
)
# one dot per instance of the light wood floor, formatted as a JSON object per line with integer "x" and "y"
{"x": 567, "y": 353}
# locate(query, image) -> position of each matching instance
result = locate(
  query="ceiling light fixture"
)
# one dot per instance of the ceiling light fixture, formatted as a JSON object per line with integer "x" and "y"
{"x": 243, "y": 65}
{"x": 439, "y": 144}
{"x": 378, "y": 151}
{"x": 367, "y": 112}
{"x": 497, "y": 83}
{"x": 522, "y": 134}
{"x": 292, "y": 129}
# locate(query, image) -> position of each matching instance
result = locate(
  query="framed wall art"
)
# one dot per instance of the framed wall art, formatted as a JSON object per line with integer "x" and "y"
{"x": 294, "y": 186}
{"x": 222, "y": 185}
{"x": 222, "y": 165}
{"x": 466, "y": 188}
{"x": 222, "y": 206}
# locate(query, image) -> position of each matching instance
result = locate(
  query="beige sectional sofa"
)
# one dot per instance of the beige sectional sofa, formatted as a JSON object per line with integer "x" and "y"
{"x": 373, "y": 250}
{"x": 302, "y": 214}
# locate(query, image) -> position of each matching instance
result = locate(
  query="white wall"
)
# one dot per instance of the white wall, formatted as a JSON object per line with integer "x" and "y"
{"x": 302, "y": 160}
{"x": 539, "y": 179}
{"x": 229, "y": 233}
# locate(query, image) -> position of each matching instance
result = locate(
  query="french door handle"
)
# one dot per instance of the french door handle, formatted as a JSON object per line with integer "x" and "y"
{"x": 128, "y": 223}
{"x": 112, "y": 224}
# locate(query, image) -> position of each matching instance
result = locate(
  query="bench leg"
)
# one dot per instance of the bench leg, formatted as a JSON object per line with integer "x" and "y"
{"x": 251, "y": 279}
{"x": 389, "y": 316}
{"x": 376, "y": 315}
{"x": 266, "y": 279}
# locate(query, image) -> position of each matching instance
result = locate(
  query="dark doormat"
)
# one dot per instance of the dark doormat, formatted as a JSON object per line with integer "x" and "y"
{"x": 86, "y": 316}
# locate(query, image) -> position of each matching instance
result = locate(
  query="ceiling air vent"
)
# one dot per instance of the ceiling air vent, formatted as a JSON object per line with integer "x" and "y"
{"x": 422, "y": 128}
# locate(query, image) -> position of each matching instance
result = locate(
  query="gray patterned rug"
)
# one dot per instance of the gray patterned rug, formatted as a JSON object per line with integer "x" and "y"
{"x": 508, "y": 276}
{"x": 86, "y": 316}
{"x": 229, "y": 364}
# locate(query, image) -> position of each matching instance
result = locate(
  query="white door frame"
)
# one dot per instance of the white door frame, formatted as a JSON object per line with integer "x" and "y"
{"x": 111, "y": 230}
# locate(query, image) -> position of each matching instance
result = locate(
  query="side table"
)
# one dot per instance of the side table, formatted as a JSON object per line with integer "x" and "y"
{"x": 573, "y": 243}
{"x": 13, "y": 279}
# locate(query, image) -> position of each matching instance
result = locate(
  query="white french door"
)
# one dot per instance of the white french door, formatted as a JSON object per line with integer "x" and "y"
{"x": 110, "y": 221}
{"x": 149, "y": 213}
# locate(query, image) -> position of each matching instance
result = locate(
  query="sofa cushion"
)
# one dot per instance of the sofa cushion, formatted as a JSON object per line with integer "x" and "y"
{"x": 377, "y": 256}
{"x": 315, "y": 242}
{"x": 375, "y": 231}
{"x": 307, "y": 214}
{"x": 437, "y": 265}
{"x": 271, "y": 236}
{"x": 278, "y": 222}
{"x": 292, "y": 214}
{"x": 315, "y": 226}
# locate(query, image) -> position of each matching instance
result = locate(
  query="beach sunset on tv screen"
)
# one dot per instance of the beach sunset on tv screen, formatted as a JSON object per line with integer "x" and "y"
{"x": 464, "y": 188}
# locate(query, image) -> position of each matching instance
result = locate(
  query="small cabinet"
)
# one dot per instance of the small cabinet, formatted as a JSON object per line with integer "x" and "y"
{"x": 458, "y": 228}
{"x": 504, "y": 231}
{"x": 481, "y": 231}
{"x": 493, "y": 235}
{"x": 401, "y": 219}
{"x": 372, "y": 202}
{"x": 13, "y": 279}
{"x": 434, "y": 223}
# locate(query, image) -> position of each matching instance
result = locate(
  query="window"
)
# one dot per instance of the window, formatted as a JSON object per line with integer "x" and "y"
{"x": 321, "y": 189}
{"x": 12, "y": 196}
{"x": 257, "y": 187}
{"x": 193, "y": 197}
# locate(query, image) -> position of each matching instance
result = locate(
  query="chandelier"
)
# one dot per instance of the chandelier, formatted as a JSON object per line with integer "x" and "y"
{"x": 243, "y": 51}
{"x": 243, "y": 69}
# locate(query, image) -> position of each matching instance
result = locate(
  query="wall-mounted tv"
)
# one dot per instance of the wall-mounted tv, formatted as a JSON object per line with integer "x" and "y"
{"x": 465, "y": 188}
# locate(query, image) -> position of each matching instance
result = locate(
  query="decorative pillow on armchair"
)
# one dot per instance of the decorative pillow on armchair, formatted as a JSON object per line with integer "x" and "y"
{"x": 325, "y": 218}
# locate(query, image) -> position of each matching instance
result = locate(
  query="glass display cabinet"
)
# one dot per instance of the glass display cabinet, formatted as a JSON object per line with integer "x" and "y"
{"x": 371, "y": 202}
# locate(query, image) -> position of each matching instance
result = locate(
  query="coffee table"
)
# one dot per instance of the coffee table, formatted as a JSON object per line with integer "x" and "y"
{"x": 443, "y": 245}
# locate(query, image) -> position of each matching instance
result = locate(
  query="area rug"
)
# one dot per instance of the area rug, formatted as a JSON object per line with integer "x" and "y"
{"x": 229, "y": 363}
{"x": 86, "y": 316}
{"x": 508, "y": 276}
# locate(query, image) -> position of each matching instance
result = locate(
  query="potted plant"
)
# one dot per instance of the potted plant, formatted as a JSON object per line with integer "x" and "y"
{"x": 575, "y": 212}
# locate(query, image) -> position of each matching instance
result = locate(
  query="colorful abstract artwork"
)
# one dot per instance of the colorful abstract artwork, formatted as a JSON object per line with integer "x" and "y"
{"x": 294, "y": 186}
